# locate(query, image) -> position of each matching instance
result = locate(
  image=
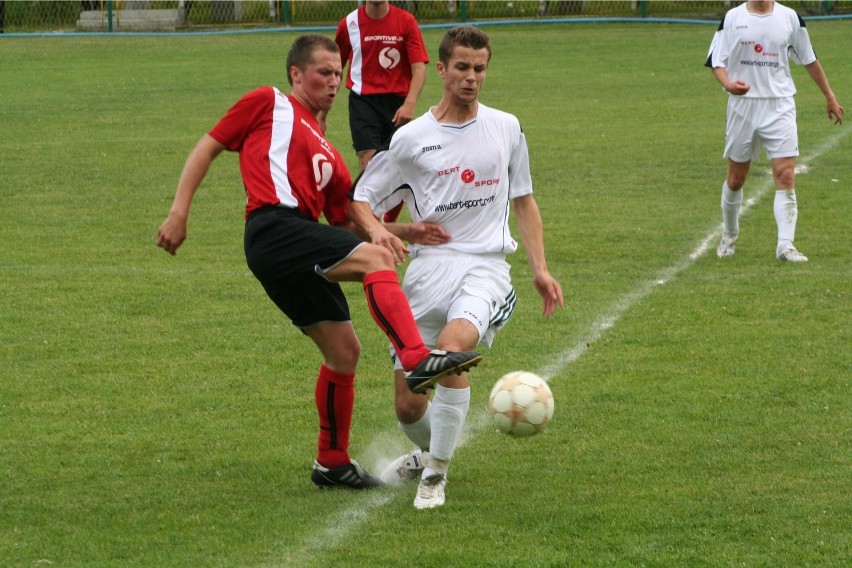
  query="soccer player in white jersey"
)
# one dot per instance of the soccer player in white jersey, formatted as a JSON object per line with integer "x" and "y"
{"x": 750, "y": 56}
{"x": 462, "y": 165}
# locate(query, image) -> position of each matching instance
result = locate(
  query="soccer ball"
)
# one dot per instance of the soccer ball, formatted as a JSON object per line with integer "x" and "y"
{"x": 521, "y": 403}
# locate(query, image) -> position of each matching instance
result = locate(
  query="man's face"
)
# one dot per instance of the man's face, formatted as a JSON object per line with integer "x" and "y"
{"x": 318, "y": 84}
{"x": 464, "y": 73}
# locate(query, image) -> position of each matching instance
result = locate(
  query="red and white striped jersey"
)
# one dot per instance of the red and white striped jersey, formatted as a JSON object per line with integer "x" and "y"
{"x": 284, "y": 157}
{"x": 380, "y": 52}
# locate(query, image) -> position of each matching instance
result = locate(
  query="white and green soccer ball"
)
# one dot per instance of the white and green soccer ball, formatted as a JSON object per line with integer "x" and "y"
{"x": 521, "y": 403}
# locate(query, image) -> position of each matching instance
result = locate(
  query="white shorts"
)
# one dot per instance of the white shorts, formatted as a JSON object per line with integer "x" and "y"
{"x": 445, "y": 285}
{"x": 753, "y": 124}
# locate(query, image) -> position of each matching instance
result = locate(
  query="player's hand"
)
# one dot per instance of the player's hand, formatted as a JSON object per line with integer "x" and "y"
{"x": 382, "y": 237}
{"x": 737, "y": 88}
{"x": 551, "y": 293}
{"x": 426, "y": 233}
{"x": 172, "y": 233}
{"x": 835, "y": 111}
{"x": 403, "y": 114}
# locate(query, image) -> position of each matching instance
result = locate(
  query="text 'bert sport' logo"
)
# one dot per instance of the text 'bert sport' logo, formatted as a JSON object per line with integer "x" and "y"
{"x": 322, "y": 170}
{"x": 389, "y": 57}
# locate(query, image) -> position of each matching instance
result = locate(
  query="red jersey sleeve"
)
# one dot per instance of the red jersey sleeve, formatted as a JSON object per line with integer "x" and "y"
{"x": 342, "y": 41}
{"x": 243, "y": 118}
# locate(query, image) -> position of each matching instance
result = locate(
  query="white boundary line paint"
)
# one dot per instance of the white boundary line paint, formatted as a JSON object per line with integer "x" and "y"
{"x": 340, "y": 525}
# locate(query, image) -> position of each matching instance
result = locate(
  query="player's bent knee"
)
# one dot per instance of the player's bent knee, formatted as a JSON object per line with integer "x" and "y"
{"x": 377, "y": 258}
{"x": 411, "y": 409}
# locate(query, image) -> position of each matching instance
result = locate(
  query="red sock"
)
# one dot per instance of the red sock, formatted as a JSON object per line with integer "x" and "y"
{"x": 389, "y": 308}
{"x": 335, "y": 397}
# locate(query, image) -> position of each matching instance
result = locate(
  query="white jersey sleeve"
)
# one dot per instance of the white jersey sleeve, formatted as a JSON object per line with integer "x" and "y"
{"x": 380, "y": 185}
{"x": 520, "y": 180}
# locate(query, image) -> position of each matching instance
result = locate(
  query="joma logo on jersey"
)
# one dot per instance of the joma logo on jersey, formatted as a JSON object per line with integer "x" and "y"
{"x": 425, "y": 149}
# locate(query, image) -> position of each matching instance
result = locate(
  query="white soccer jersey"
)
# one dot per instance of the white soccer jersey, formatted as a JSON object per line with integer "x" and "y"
{"x": 462, "y": 177}
{"x": 757, "y": 49}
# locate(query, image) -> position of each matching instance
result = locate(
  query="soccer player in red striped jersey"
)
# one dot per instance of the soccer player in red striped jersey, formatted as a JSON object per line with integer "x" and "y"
{"x": 291, "y": 175}
{"x": 386, "y": 58}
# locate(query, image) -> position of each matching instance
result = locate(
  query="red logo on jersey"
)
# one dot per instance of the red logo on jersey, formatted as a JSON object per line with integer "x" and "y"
{"x": 758, "y": 48}
{"x": 322, "y": 170}
{"x": 389, "y": 57}
{"x": 468, "y": 176}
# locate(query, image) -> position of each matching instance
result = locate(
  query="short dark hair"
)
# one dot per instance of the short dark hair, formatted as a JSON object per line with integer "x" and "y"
{"x": 302, "y": 51}
{"x": 466, "y": 36}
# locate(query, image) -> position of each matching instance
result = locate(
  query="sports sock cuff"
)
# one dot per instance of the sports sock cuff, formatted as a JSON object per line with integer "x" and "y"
{"x": 452, "y": 396}
{"x": 347, "y": 379}
{"x": 381, "y": 276}
{"x": 731, "y": 196}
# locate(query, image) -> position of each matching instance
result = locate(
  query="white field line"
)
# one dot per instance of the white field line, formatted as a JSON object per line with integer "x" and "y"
{"x": 339, "y": 526}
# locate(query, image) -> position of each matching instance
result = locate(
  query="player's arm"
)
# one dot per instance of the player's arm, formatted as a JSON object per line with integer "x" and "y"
{"x": 405, "y": 113}
{"x": 835, "y": 111}
{"x": 734, "y": 87}
{"x": 421, "y": 233}
{"x": 376, "y": 233}
{"x": 172, "y": 232}
{"x": 529, "y": 223}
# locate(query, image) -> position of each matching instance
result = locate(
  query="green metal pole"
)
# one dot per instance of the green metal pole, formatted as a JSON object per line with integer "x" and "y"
{"x": 286, "y": 12}
{"x": 643, "y": 8}
{"x": 463, "y": 10}
{"x": 109, "y": 15}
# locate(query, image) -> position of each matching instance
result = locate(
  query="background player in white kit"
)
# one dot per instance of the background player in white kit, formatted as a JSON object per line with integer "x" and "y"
{"x": 750, "y": 56}
{"x": 460, "y": 165}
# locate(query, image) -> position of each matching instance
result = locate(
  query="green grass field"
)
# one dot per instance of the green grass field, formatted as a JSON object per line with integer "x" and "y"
{"x": 158, "y": 411}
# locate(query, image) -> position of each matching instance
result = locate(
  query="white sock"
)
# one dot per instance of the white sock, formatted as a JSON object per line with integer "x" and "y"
{"x": 449, "y": 411}
{"x": 421, "y": 431}
{"x": 731, "y": 203}
{"x": 786, "y": 213}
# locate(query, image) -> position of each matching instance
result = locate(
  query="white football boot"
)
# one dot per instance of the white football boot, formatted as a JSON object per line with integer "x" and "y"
{"x": 407, "y": 467}
{"x": 430, "y": 492}
{"x": 727, "y": 247}
{"x": 788, "y": 253}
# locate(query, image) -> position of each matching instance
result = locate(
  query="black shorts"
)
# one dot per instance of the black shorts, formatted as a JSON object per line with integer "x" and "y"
{"x": 371, "y": 119}
{"x": 285, "y": 251}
